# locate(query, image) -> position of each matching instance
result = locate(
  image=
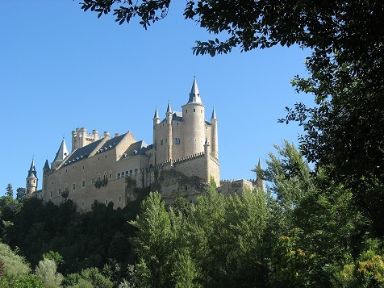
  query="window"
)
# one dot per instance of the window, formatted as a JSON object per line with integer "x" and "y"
{"x": 118, "y": 175}
{"x": 83, "y": 183}
{"x": 136, "y": 171}
{"x": 122, "y": 174}
{"x": 130, "y": 172}
{"x": 126, "y": 173}
{"x": 194, "y": 110}
{"x": 161, "y": 142}
{"x": 83, "y": 167}
{"x": 74, "y": 186}
{"x": 177, "y": 141}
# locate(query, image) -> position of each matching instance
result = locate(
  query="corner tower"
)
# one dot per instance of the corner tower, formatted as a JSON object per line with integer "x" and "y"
{"x": 194, "y": 122}
{"x": 31, "y": 185}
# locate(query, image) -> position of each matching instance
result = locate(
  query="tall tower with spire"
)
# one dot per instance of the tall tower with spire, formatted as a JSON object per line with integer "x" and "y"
{"x": 31, "y": 185}
{"x": 194, "y": 122}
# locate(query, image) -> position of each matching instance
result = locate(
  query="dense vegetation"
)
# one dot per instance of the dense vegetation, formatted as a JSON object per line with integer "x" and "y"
{"x": 304, "y": 231}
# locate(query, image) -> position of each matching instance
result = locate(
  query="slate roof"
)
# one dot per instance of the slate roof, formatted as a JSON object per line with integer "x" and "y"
{"x": 111, "y": 143}
{"x": 137, "y": 148}
{"x": 82, "y": 153}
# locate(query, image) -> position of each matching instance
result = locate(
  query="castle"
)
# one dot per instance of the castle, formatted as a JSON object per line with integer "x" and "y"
{"x": 108, "y": 169}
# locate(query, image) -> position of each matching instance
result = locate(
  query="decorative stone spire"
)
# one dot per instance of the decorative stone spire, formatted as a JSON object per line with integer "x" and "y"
{"x": 194, "y": 95}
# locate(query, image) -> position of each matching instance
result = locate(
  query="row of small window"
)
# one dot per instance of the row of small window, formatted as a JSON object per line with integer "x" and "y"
{"x": 177, "y": 141}
{"x": 126, "y": 173}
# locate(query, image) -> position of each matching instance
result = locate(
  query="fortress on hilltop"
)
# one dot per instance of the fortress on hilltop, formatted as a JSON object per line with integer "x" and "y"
{"x": 182, "y": 160}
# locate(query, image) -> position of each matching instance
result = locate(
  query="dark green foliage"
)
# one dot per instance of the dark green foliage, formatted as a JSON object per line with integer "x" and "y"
{"x": 25, "y": 281}
{"x": 20, "y": 193}
{"x": 9, "y": 191}
{"x": 79, "y": 240}
{"x": 90, "y": 277}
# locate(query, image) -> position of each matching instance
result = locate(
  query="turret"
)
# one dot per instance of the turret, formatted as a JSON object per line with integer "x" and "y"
{"x": 156, "y": 118}
{"x": 169, "y": 138}
{"x": 214, "y": 135}
{"x": 259, "y": 176}
{"x": 61, "y": 154}
{"x": 194, "y": 122}
{"x": 206, "y": 157}
{"x": 46, "y": 168}
{"x": 156, "y": 121}
{"x": 31, "y": 180}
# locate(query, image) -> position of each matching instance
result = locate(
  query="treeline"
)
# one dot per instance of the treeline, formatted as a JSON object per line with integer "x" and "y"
{"x": 304, "y": 231}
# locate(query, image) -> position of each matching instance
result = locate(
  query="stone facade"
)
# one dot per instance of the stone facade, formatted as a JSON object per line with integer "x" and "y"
{"x": 181, "y": 160}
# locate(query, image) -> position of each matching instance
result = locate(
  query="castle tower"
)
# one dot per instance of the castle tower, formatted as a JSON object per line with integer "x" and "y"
{"x": 214, "y": 135}
{"x": 61, "y": 154}
{"x": 31, "y": 186}
{"x": 169, "y": 139}
{"x": 81, "y": 138}
{"x": 194, "y": 123}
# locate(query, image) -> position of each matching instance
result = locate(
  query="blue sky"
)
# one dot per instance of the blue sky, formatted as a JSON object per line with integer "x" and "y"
{"x": 61, "y": 68}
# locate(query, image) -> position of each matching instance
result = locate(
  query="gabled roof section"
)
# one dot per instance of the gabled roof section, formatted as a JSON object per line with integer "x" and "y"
{"x": 111, "y": 143}
{"x": 137, "y": 148}
{"x": 194, "y": 95}
{"x": 62, "y": 153}
{"x": 82, "y": 153}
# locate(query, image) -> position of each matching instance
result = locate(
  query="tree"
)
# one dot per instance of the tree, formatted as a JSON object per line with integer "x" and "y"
{"x": 9, "y": 191}
{"x": 47, "y": 272}
{"x": 20, "y": 193}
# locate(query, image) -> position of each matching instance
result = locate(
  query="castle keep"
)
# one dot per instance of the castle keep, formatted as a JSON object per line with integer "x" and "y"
{"x": 104, "y": 168}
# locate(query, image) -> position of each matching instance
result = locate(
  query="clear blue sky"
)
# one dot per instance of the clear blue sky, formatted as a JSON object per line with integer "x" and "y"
{"x": 61, "y": 68}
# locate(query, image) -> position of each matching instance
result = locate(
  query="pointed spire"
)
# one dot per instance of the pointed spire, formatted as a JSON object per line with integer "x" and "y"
{"x": 194, "y": 95}
{"x": 46, "y": 166}
{"x": 213, "y": 114}
{"x": 259, "y": 176}
{"x": 156, "y": 116}
{"x": 32, "y": 169}
{"x": 62, "y": 153}
{"x": 169, "y": 108}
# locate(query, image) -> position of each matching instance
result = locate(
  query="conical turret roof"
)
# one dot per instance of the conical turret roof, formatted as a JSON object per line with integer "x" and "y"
{"x": 194, "y": 95}
{"x": 32, "y": 169}
{"x": 62, "y": 153}
{"x": 213, "y": 113}
{"x": 169, "y": 108}
{"x": 156, "y": 115}
{"x": 46, "y": 166}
